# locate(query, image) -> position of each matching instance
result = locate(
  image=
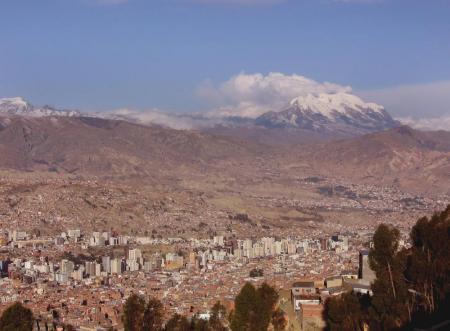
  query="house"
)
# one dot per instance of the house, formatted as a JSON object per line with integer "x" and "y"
{"x": 358, "y": 286}
{"x": 335, "y": 281}
{"x": 300, "y": 301}
{"x": 304, "y": 288}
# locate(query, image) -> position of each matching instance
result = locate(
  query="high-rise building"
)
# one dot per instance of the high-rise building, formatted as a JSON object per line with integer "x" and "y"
{"x": 106, "y": 264}
{"x": 365, "y": 272}
{"x": 134, "y": 254}
{"x": 116, "y": 266}
{"x": 90, "y": 268}
{"x": 67, "y": 267}
{"x": 74, "y": 234}
{"x": 218, "y": 240}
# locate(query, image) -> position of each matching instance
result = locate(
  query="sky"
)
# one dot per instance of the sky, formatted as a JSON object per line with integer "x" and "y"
{"x": 101, "y": 55}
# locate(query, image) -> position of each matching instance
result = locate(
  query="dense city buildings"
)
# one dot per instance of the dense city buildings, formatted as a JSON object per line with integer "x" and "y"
{"x": 86, "y": 277}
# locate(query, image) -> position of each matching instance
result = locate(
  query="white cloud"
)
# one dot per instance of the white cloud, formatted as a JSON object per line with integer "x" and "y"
{"x": 159, "y": 117}
{"x": 431, "y": 124}
{"x": 430, "y": 100}
{"x": 250, "y": 95}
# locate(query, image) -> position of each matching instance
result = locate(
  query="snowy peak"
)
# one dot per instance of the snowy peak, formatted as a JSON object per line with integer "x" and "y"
{"x": 19, "y": 107}
{"x": 341, "y": 112}
{"x": 13, "y": 106}
{"x": 332, "y": 105}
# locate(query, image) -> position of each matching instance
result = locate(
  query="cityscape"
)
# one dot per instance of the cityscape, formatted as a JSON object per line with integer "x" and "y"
{"x": 224, "y": 165}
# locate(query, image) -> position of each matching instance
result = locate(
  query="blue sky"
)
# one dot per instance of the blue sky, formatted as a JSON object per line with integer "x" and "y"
{"x": 143, "y": 54}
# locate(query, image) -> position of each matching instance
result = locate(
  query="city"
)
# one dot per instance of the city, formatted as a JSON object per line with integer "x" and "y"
{"x": 85, "y": 277}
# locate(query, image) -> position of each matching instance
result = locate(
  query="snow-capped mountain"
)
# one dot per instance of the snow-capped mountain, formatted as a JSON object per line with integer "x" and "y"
{"x": 332, "y": 114}
{"x": 20, "y": 107}
{"x": 329, "y": 112}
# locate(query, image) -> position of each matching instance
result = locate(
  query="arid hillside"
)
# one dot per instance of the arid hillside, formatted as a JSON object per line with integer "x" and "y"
{"x": 413, "y": 160}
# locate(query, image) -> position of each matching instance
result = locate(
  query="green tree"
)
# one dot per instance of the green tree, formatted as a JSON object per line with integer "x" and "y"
{"x": 267, "y": 298}
{"x": 412, "y": 288}
{"x": 178, "y": 323}
{"x": 198, "y": 324}
{"x": 217, "y": 319}
{"x": 253, "y": 308}
{"x": 428, "y": 265}
{"x": 382, "y": 255}
{"x": 133, "y": 313}
{"x": 16, "y": 318}
{"x": 244, "y": 312}
{"x": 389, "y": 305}
{"x": 344, "y": 313}
{"x": 279, "y": 321}
{"x": 153, "y": 316}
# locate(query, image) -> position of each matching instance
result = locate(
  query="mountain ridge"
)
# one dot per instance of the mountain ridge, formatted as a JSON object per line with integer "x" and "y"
{"x": 339, "y": 114}
{"x": 120, "y": 150}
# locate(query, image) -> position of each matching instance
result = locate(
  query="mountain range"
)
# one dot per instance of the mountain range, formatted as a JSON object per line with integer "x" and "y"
{"x": 324, "y": 115}
{"x": 121, "y": 150}
{"x": 327, "y": 135}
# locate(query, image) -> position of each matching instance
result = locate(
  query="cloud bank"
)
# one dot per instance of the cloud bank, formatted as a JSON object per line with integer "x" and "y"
{"x": 427, "y": 124}
{"x": 251, "y": 95}
{"x": 430, "y": 100}
{"x": 162, "y": 118}
{"x": 425, "y": 106}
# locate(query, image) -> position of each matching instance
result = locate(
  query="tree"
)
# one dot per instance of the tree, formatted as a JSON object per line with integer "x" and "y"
{"x": 344, "y": 313}
{"x": 279, "y": 321}
{"x": 16, "y": 318}
{"x": 178, "y": 323}
{"x": 412, "y": 289}
{"x": 217, "y": 320}
{"x": 244, "y": 312}
{"x": 253, "y": 308}
{"x": 199, "y": 324}
{"x": 267, "y": 298}
{"x": 153, "y": 316}
{"x": 133, "y": 313}
{"x": 428, "y": 269}
{"x": 382, "y": 255}
{"x": 390, "y": 293}
{"x": 140, "y": 316}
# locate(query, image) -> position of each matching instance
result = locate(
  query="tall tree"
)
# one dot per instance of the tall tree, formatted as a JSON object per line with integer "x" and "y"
{"x": 217, "y": 320}
{"x": 178, "y": 323}
{"x": 153, "y": 316}
{"x": 344, "y": 313}
{"x": 388, "y": 309}
{"x": 279, "y": 321}
{"x": 244, "y": 313}
{"x": 267, "y": 298}
{"x": 16, "y": 318}
{"x": 133, "y": 313}
{"x": 412, "y": 288}
{"x": 428, "y": 265}
{"x": 253, "y": 308}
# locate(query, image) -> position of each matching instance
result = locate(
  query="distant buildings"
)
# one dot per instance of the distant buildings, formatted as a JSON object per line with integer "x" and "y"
{"x": 365, "y": 272}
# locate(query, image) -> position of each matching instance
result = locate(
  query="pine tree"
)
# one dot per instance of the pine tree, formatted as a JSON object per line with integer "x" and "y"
{"x": 178, "y": 323}
{"x": 253, "y": 308}
{"x": 267, "y": 298}
{"x": 344, "y": 313}
{"x": 218, "y": 317}
{"x": 153, "y": 316}
{"x": 16, "y": 318}
{"x": 388, "y": 309}
{"x": 133, "y": 313}
{"x": 279, "y": 321}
